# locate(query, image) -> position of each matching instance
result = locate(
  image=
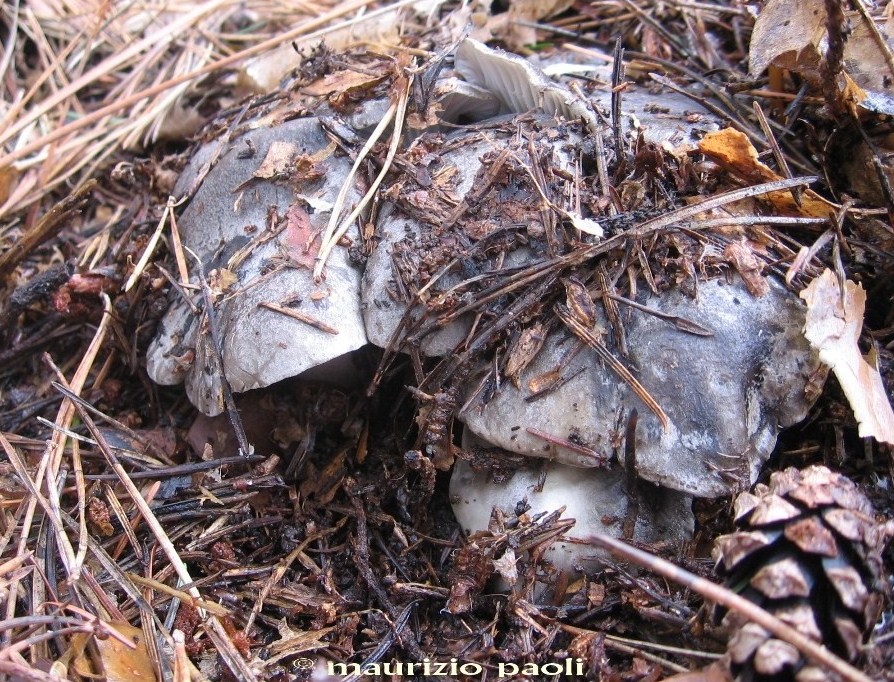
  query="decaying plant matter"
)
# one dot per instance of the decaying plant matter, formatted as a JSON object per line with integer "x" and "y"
{"x": 645, "y": 157}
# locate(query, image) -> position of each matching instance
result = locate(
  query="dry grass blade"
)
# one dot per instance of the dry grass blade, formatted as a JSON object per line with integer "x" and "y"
{"x": 10, "y": 128}
{"x": 8, "y": 48}
{"x": 186, "y": 597}
{"x": 51, "y": 460}
{"x": 134, "y": 493}
{"x": 637, "y": 651}
{"x": 80, "y": 486}
{"x": 785, "y": 171}
{"x": 133, "y": 99}
{"x": 111, "y": 567}
{"x": 397, "y": 112}
{"x": 721, "y": 595}
{"x": 182, "y": 665}
{"x": 692, "y": 210}
{"x": 326, "y": 238}
{"x": 680, "y": 323}
{"x": 22, "y": 670}
{"x": 635, "y": 647}
{"x": 167, "y": 214}
{"x": 228, "y": 652}
{"x": 207, "y": 560}
{"x": 300, "y": 316}
{"x": 12, "y": 564}
{"x": 664, "y": 647}
{"x": 50, "y": 506}
{"x": 215, "y": 345}
{"x": 214, "y": 627}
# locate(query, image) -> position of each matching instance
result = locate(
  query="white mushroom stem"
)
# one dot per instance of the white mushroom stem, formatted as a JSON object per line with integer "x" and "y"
{"x": 597, "y": 499}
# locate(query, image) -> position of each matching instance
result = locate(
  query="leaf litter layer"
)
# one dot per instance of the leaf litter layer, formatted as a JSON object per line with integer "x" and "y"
{"x": 124, "y": 510}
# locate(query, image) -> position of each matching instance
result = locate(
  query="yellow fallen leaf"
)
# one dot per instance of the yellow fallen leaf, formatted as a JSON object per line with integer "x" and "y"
{"x": 117, "y": 662}
{"x": 833, "y": 329}
{"x": 123, "y": 664}
{"x": 733, "y": 150}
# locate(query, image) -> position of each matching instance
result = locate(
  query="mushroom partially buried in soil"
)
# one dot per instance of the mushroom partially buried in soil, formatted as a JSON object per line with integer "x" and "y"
{"x": 254, "y": 222}
{"x": 501, "y": 250}
{"x": 477, "y": 256}
{"x": 725, "y": 397}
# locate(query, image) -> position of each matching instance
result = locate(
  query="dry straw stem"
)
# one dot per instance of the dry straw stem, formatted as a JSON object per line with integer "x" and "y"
{"x": 167, "y": 214}
{"x": 215, "y": 629}
{"x": 81, "y": 487}
{"x": 12, "y": 564}
{"x": 183, "y": 596}
{"x": 589, "y": 337}
{"x": 718, "y": 594}
{"x": 46, "y": 228}
{"x": 130, "y": 106}
{"x": 396, "y": 111}
{"x": 48, "y": 468}
{"x": 50, "y": 506}
{"x": 139, "y": 502}
{"x": 692, "y": 210}
{"x": 636, "y": 651}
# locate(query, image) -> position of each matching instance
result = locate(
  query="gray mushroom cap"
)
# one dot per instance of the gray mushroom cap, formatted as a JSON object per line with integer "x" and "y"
{"x": 257, "y": 227}
{"x": 726, "y": 396}
{"x": 399, "y": 234}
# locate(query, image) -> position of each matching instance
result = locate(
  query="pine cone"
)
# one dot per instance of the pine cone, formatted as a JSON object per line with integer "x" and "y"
{"x": 809, "y": 551}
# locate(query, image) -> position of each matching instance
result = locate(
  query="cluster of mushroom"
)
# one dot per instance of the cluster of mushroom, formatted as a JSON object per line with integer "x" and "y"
{"x": 726, "y": 382}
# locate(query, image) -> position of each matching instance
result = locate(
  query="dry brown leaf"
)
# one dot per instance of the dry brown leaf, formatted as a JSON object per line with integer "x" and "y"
{"x": 278, "y": 160}
{"x": 749, "y": 267}
{"x": 867, "y": 66}
{"x": 99, "y": 517}
{"x": 118, "y": 662}
{"x": 791, "y": 34}
{"x": 300, "y": 237}
{"x": 732, "y": 150}
{"x": 787, "y": 34}
{"x": 122, "y": 664}
{"x": 833, "y": 329}
{"x": 545, "y": 381}
{"x": 506, "y": 567}
{"x": 7, "y": 180}
{"x": 523, "y": 351}
{"x": 579, "y": 302}
{"x": 342, "y": 81}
